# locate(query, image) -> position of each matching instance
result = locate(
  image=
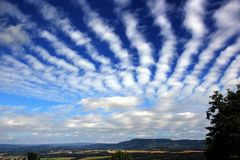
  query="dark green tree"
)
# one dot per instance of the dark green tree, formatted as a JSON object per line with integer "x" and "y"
{"x": 223, "y": 138}
{"x": 120, "y": 155}
{"x": 33, "y": 156}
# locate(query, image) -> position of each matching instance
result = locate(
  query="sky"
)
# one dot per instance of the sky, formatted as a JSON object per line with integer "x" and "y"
{"x": 113, "y": 70}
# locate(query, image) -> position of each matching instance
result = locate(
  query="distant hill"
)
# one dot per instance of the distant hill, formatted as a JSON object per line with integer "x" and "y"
{"x": 39, "y": 148}
{"x": 152, "y": 144}
{"x": 144, "y": 144}
{"x": 166, "y": 144}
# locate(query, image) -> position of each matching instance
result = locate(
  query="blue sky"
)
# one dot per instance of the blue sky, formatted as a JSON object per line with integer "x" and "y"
{"x": 108, "y": 71}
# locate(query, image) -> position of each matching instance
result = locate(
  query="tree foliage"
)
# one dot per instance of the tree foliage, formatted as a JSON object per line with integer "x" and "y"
{"x": 33, "y": 156}
{"x": 119, "y": 155}
{"x": 223, "y": 139}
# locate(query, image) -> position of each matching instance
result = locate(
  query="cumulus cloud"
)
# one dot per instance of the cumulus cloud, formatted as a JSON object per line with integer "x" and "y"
{"x": 230, "y": 11}
{"x": 128, "y": 122}
{"x": 13, "y": 35}
{"x": 143, "y": 123}
{"x": 109, "y": 103}
{"x": 128, "y": 79}
{"x": 143, "y": 75}
{"x": 194, "y": 17}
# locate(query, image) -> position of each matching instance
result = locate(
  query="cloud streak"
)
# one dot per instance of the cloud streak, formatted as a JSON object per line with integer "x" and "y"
{"x": 143, "y": 47}
{"x": 106, "y": 33}
{"x": 194, "y": 14}
{"x": 218, "y": 39}
{"x": 158, "y": 11}
{"x": 108, "y": 103}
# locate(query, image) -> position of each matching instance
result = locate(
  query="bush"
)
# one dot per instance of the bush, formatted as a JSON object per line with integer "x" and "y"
{"x": 33, "y": 156}
{"x": 119, "y": 155}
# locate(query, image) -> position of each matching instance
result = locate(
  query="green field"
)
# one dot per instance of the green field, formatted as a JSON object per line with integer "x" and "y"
{"x": 96, "y": 158}
{"x": 135, "y": 156}
{"x": 58, "y": 158}
{"x": 69, "y": 158}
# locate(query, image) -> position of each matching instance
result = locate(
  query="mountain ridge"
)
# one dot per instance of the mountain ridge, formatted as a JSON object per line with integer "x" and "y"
{"x": 152, "y": 144}
{"x": 133, "y": 144}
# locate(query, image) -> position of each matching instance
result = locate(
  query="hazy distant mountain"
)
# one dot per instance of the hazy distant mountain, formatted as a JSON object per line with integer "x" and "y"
{"x": 23, "y": 148}
{"x": 152, "y": 144}
{"x": 147, "y": 144}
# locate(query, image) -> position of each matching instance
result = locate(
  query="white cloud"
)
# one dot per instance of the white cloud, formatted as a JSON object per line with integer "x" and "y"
{"x": 143, "y": 75}
{"x": 32, "y": 77}
{"x": 11, "y": 9}
{"x": 128, "y": 79}
{"x": 158, "y": 10}
{"x": 112, "y": 83}
{"x": 142, "y": 123}
{"x": 221, "y": 62}
{"x": 46, "y": 127}
{"x": 194, "y": 14}
{"x": 13, "y": 35}
{"x": 110, "y": 103}
{"x": 231, "y": 75}
{"x": 231, "y": 12}
{"x": 88, "y": 121}
{"x": 143, "y": 47}
{"x": 217, "y": 39}
{"x": 56, "y": 17}
{"x": 106, "y": 33}
{"x": 72, "y": 55}
{"x": 53, "y": 59}
{"x": 194, "y": 17}
{"x": 137, "y": 40}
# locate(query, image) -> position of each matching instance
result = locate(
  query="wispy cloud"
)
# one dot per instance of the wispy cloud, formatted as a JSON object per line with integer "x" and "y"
{"x": 221, "y": 62}
{"x": 10, "y": 9}
{"x": 231, "y": 76}
{"x": 72, "y": 55}
{"x": 106, "y": 32}
{"x": 143, "y": 47}
{"x": 158, "y": 10}
{"x": 224, "y": 32}
{"x": 194, "y": 15}
{"x": 57, "y": 18}
{"x": 61, "y": 63}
